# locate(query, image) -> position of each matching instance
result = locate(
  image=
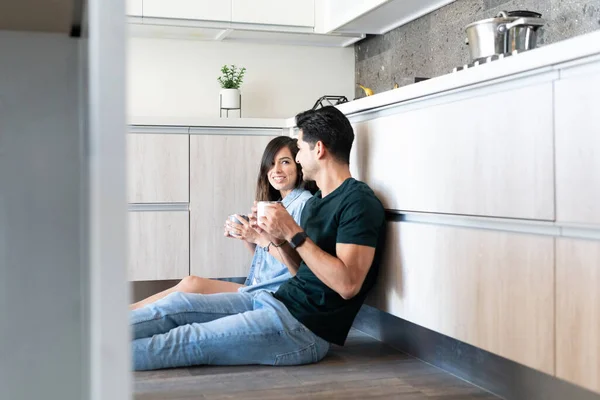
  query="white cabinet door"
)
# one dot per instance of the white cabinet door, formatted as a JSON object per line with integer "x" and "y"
{"x": 274, "y": 12}
{"x": 206, "y": 10}
{"x": 223, "y": 182}
{"x": 332, "y": 14}
{"x": 134, "y": 8}
{"x": 494, "y": 290}
{"x": 578, "y": 148}
{"x": 158, "y": 245}
{"x": 486, "y": 155}
{"x": 158, "y": 168}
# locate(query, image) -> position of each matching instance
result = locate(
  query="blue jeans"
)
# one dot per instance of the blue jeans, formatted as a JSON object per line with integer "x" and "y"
{"x": 185, "y": 329}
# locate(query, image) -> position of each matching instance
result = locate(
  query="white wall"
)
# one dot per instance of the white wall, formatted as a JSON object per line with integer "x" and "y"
{"x": 178, "y": 78}
{"x": 42, "y": 318}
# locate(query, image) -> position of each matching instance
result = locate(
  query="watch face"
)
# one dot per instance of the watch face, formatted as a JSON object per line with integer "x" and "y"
{"x": 298, "y": 239}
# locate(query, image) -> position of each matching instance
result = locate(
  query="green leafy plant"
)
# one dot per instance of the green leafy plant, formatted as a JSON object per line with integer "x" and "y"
{"x": 232, "y": 77}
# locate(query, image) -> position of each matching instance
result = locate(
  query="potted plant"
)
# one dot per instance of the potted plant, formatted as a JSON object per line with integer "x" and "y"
{"x": 230, "y": 81}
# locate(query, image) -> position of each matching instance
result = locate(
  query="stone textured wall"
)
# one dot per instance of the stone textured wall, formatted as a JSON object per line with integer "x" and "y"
{"x": 434, "y": 44}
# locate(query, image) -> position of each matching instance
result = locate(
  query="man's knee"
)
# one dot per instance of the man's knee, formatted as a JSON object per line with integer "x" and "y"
{"x": 192, "y": 284}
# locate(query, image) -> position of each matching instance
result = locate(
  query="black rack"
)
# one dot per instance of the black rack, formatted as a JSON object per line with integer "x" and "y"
{"x": 329, "y": 101}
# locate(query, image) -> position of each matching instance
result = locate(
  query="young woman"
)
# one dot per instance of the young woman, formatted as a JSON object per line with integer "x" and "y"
{"x": 279, "y": 178}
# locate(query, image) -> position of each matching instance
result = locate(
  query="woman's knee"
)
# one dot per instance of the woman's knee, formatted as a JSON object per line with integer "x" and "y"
{"x": 192, "y": 284}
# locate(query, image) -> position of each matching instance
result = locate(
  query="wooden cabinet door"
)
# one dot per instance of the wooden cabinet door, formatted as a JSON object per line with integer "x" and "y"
{"x": 578, "y": 312}
{"x": 494, "y": 290}
{"x": 488, "y": 155}
{"x": 158, "y": 168}
{"x": 578, "y": 148}
{"x": 274, "y": 12}
{"x": 158, "y": 245}
{"x": 206, "y": 10}
{"x": 224, "y": 169}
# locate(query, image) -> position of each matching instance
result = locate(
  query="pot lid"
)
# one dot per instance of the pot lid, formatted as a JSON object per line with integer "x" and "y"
{"x": 522, "y": 14}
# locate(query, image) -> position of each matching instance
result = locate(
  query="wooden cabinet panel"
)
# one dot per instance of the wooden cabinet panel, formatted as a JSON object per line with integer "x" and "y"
{"x": 494, "y": 290}
{"x": 206, "y": 10}
{"x": 578, "y": 149}
{"x": 578, "y": 312}
{"x": 223, "y": 169}
{"x": 158, "y": 168}
{"x": 158, "y": 245}
{"x": 486, "y": 155}
{"x": 274, "y": 12}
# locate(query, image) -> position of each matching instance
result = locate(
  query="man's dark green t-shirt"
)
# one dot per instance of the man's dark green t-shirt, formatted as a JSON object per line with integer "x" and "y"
{"x": 351, "y": 214}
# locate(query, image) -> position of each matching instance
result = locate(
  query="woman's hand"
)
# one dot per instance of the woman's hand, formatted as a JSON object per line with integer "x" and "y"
{"x": 243, "y": 231}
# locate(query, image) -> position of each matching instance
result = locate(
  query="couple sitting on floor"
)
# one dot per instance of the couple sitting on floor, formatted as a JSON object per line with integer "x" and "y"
{"x": 315, "y": 259}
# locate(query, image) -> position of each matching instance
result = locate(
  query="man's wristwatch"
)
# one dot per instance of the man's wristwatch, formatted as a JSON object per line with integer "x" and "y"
{"x": 298, "y": 239}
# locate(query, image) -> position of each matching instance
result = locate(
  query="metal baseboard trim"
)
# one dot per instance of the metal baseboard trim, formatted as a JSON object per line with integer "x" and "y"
{"x": 502, "y": 377}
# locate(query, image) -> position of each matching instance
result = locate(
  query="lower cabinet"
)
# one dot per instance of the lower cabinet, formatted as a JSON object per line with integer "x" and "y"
{"x": 158, "y": 245}
{"x": 494, "y": 290}
{"x": 578, "y": 312}
{"x": 223, "y": 172}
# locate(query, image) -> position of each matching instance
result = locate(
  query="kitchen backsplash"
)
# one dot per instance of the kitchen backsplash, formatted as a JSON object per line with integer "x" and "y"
{"x": 435, "y": 43}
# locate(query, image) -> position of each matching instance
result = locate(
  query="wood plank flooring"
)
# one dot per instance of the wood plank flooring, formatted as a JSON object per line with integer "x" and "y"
{"x": 363, "y": 369}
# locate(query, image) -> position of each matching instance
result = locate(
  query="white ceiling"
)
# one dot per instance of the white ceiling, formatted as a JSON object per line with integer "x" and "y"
{"x": 37, "y": 15}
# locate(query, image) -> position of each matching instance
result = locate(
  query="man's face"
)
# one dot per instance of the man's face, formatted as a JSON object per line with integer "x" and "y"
{"x": 305, "y": 158}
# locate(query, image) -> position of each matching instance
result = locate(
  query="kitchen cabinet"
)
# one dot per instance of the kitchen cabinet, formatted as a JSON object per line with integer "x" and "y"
{"x": 274, "y": 12}
{"x": 134, "y": 8}
{"x": 491, "y": 289}
{"x": 578, "y": 312}
{"x": 482, "y": 155}
{"x": 158, "y": 168}
{"x": 333, "y": 14}
{"x": 158, "y": 245}
{"x": 204, "y": 10}
{"x": 223, "y": 169}
{"x": 578, "y": 148}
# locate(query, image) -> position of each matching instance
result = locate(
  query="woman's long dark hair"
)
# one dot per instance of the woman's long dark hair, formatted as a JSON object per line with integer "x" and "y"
{"x": 264, "y": 190}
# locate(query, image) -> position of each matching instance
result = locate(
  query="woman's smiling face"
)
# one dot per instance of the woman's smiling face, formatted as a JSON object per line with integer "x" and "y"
{"x": 283, "y": 174}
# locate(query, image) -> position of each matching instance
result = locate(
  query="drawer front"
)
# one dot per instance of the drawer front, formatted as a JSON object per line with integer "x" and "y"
{"x": 578, "y": 149}
{"x": 158, "y": 168}
{"x": 578, "y": 312}
{"x": 494, "y": 290}
{"x": 158, "y": 245}
{"x": 485, "y": 155}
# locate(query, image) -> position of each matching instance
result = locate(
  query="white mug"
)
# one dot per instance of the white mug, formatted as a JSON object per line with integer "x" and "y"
{"x": 260, "y": 207}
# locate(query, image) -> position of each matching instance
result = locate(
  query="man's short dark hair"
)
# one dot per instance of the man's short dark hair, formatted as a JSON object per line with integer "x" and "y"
{"x": 330, "y": 126}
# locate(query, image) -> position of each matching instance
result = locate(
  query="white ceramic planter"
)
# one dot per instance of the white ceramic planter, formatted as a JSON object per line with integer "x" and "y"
{"x": 230, "y": 98}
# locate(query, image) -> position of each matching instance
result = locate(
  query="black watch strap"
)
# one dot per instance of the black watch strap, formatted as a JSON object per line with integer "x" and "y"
{"x": 298, "y": 239}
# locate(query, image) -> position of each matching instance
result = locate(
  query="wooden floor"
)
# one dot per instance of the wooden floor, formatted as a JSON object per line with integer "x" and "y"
{"x": 363, "y": 369}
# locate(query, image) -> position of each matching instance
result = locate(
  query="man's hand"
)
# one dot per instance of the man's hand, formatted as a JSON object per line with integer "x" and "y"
{"x": 278, "y": 223}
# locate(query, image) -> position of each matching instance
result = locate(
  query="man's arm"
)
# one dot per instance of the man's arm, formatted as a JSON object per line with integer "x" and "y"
{"x": 345, "y": 273}
{"x": 284, "y": 253}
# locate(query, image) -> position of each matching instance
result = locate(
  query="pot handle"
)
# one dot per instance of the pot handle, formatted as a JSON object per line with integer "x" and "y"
{"x": 520, "y": 22}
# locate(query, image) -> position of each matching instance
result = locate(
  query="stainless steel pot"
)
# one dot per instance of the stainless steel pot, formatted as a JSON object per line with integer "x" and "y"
{"x": 507, "y": 32}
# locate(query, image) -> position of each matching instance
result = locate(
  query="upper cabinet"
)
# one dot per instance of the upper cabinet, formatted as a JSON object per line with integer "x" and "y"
{"x": 331, "y": 23}
{"x": 274, "y": 12}
{"x": 134, "y": 8}
{"x": 332, "y": 14}
{"x": 204, "y": 10}
{"x": 370, "y": 16}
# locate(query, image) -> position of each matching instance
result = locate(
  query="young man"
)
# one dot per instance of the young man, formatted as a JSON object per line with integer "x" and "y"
{"x": 334, "y": 255}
